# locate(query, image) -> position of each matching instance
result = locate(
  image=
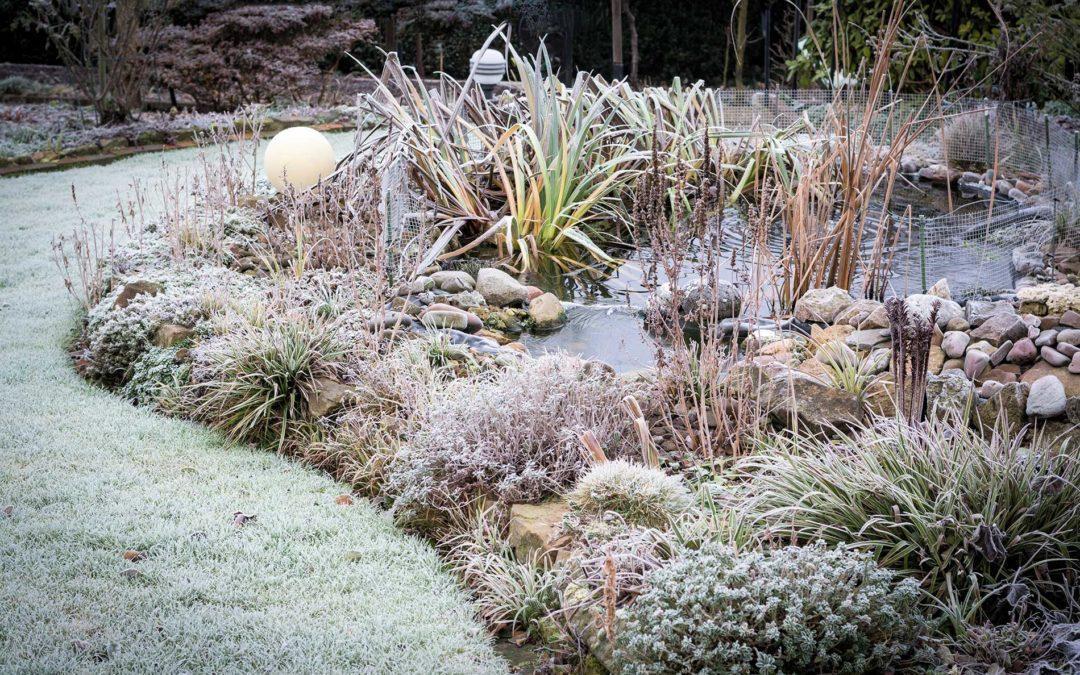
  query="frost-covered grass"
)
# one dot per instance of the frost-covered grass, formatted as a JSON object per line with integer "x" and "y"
{"x": 309, "y": 585}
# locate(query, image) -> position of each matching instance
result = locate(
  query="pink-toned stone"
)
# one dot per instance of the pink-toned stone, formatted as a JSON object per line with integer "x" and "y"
{"x": 1023, "y": 352}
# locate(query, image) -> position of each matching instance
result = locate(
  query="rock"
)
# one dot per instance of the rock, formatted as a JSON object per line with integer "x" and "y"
{"x": 416, "y": 286}
{"x": 1000, "y": 375}
{"x": 1072, "y": 411}
{"x": 445, "y": 318}
{"x": 534, "y": 528}
{"x": 547, "y": 312}
{"x": 499, "y": 288}
{"x": 998, "y": 356}
{"x": 389, "y": 319}
{"x": 999, "y": 328}
{"x": 169, "y": 334}
{"x": 940, "y": 289}
{"x": 938, "y": 174}
{"x": 405, "y": 305}
{"x": 815, "y": 369}
{"x": 858, "y": 311}
{"x": 697, "y": 301}
{"x": 949, "y": 392}
{"x": 958, "y": 323}
{"x": 1046, "y": 398}
{"x": 989, "y": 388}
{"x": 1070, "y": 319}
{"x": 795, "y": 398}
{"x": 878, "y": 318}
{"x": 978, "y": 311}
{"x": 464, "y": 300}
{"x": 1070, "y": 381}
{"x": 1047, "y": 338}
{"x": 879, "y": 360}
{"x": 953, "y": 364}
{"x": 1008, "y": 406}
{"x": 533, "y": 292}
{"x": 936, "y": 360}
{"x": 1070, "y": 336}
{"x": 1053, "y": 357}
{"x": 1003, "y": 186}
{"x": 920, "y": 304}
{"x": 453, "y": 281}
{"x": 982, "y": 346}
{"x": 132, "y": 289}
{"x": 1048, "y": 322}
{"x": 326, "y": 396}
{"x": 1050, "y": 298}
{"x": 1026, "y": 261}
{"x": 975, "y": 363}
{"x": 822, "y": 336}
{"x": 955, "y": 343}
{"x": 822, "y": 304}
{"x": 1067, "y": 349}
{"x": 880, "y": 397}
{"x": 1074, "y": 365}
{"x": 867, "y": 340}
{"x": 1022, "y": 353}
{"x": 1017, "y": 194}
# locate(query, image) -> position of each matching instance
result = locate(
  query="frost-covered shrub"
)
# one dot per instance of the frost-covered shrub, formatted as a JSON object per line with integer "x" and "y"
{"x": 118, "y": 336}
{"x": 155, "y": 374}
{"x": 641, "y": 495}
{"x": 254, "y": 382}
{"x": 792, "y": 610}
{"x": 512, "y": 435}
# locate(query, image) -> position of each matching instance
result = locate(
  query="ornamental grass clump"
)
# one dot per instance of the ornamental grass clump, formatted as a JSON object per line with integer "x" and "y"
{"x": 642, "y": 495}
{"x": 513, "y": 436}
{"x": 791, "y": 610}
{"x": 990, "y": 529}
{"x": 254, "y": 382}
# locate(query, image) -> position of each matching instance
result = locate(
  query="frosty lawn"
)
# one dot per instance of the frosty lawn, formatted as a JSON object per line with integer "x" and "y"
{"x": 308, "y": 585}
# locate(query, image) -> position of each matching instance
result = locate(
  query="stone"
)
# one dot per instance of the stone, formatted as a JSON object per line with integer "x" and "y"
{"x": 1007, "y": 406}
{"x": 464, "y": 300}
{"x": 982, "y": 346}
{"x": 857, "y": 312}
{"x": 406, "y": 306}
{"x": 989, "y": 388}
{"x": 949, "y": 392}
{"x": 814, "y": 368}
{"x": 1049, "y": 321}
{"x": 696, "y": 299}
{"x": 1049, "y": 298}
{"x": 958, "y": 323}
{"x": 133, "y": 289}
{"x": 1047, "y": 338}
{"x": 822, "y": 304}
{"x": 953, "y": 364}
{"x": 919, "y": 306}
{"x": 453, "y": 281}
{"x": 1070, "y": 381}
{"x": 499, "y": 288}
{"x": 1026, "y": 261}
{"x": 978, "y": 311}
{"x": 878, "y": 318}
{"x": 998, "y": 356}
{"x": 1001, "y": 328}
{"x": 547, "y": 312}
{"x": 820, "y": 336}
{"x": 533, "y": 292}
{"x": 416, "y": 286}
{"x": 867, "y": 340}
{"x": 1023, "y": 352}
{"x": 879, "y": 360}
{"x": 940, "y": 289}
{"x": 939, "y": 174}
{"x": 975, "y": 363}
{"x": 1067, "y": 349}
{"x": 389, "y": 319}
{"x": 1046, "y": 398}
{"x": 1070, "y": 336}
{"x": 1070, "y": 319}
{"x": 1053, "y": 357}
{"x": 955, "y": 343}
{"x": 880, "y": 396}
{"x": 1000, "y": 375}
{"x": 1003, "y": 186}
{"x": 1074, "y": 365}
{"x": 797, "y": 399}
{"x": 534, "y": 528}
{"x": 327, "y": 395}
{"x": 445, "y": 318}
{"x": 936, "y": 360}
{"x": 1072, "y": 410}
{"x": 169, "y": 334}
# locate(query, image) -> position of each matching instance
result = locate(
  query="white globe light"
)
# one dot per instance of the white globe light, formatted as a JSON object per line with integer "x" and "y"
{"x": 488, "y": 67}
{"x": 298, "y": 157}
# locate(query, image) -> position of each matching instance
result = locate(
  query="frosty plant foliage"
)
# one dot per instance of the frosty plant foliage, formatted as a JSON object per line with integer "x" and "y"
{"x": 792, "y": 610}
{"x": 641, "y": 495}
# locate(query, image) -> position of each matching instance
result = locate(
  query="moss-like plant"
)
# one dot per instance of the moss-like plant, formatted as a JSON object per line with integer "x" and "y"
{"x": 641, "y": 495}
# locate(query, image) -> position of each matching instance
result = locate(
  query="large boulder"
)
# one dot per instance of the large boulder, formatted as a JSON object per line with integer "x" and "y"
{"x": 133, "y": 289}
{"x": 326, "y": 396}
{"x": 955, "y": 343}
{"x": 1070, "y": 381}
{"x": 977, "y": 311}
{"x": 822, "y": 304}
{"x": 1046, "y": 398}
{"x": 1007, "y": 406}
{"x": 919, "y": 306}
{"x": 499, "y": 288}
{"x": 534, "y": 528}
{"x": 169, "y": 334}
{"x": 547, "y": 312}
{"x": 857, "y": 312}
{"x": 948, "y": 393}
{"x": 868, "y": 340}
{"x": 697, "y": 299}
{"x": 453, "y": 281}
{"x": 797, "y": 399}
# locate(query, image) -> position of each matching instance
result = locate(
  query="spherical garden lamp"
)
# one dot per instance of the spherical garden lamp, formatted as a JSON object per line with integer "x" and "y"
{"x": 298, "y": 157}
{"x": 489, "y": 68}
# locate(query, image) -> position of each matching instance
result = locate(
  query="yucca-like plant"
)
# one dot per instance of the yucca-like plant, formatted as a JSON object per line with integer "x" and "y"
{"x": 988, "y": 528}
{"x": 254, "y": 382}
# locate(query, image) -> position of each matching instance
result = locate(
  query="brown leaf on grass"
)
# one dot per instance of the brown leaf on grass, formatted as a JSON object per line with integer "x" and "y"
{"x": 9, "y": 510}
{"x": 131, "y": 555}
{"x": 240, "y": 518}
{"x": 344, "y": 500}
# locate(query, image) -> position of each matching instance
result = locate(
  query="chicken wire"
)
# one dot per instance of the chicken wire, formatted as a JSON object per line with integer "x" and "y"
{"x": 1016, "y": 138}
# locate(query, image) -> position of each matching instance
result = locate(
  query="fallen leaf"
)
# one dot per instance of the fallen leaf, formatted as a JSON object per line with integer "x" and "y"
{"x": 131, "y": 555}
{"x": 344, "y": 500}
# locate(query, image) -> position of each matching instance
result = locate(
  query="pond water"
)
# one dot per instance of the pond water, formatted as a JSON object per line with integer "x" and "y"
{"x": 605, "y": 312}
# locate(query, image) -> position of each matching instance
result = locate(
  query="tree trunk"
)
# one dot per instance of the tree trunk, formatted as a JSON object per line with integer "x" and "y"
{"x": 740, "y": 41}
{"x": 616, "y": 39}
{"x": 418, "y": 45}
{"x": 631, "y": 23}
{"x": 389, "y": 32}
